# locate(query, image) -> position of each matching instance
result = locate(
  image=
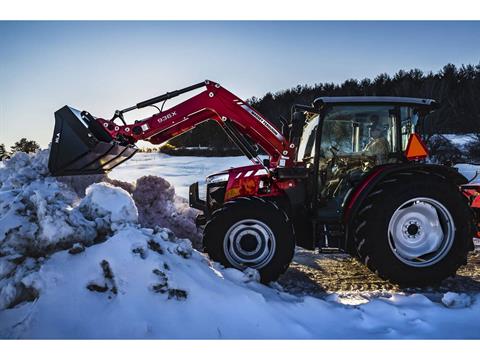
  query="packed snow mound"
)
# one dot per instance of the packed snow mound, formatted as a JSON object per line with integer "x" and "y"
{"x": 40, "y": 215}
{"x": 25, "y": 175}
{"x": 454, "y": 300}
{"x": 145, "y": 283}
{"x": 76, "y": 265}
{"x": 79, "y": 184}
{"x": 156, "y": 200}
{"x": 103, "y": 201}
{"x": 159, "y": 206}
{"x": 37, "y": 213}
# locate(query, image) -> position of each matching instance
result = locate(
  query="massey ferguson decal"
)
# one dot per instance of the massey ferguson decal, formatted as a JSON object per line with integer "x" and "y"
{"x": 262, "y": 120}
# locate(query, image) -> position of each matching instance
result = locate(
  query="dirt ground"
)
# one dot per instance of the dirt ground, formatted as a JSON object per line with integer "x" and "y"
{"x": 319, "y": 275}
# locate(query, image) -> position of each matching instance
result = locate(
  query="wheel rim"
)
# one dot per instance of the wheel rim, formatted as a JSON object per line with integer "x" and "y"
{"x": 421, "y": 232}
{"x": 249, "y": 243}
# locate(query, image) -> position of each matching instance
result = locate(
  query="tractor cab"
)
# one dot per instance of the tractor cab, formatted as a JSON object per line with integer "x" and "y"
{"x": 350, "y": 125}
{"x": 345, "y": 138}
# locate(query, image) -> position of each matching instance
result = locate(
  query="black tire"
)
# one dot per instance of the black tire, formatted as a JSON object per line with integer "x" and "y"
{"x": 265, "y": 213}
{"x": 371, "y": 229}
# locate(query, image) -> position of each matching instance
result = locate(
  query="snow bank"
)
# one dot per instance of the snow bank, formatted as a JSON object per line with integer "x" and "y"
{"x": 156, "y": 200}
{"x": 79, "y": 184}
{"x": 454, "y": 300}
{"x": 109, "y": 203}
{"x": 159, "y": 206}
{"x": 86, "y": 268}
{"x": 144, "y": 283}
{"x": 40, "y": 215}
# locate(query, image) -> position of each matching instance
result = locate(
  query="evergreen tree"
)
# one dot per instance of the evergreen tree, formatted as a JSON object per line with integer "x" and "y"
{"x": 28, "y": 146}
{"x": 456, "y": 88}
{"x": 3, "y": 152}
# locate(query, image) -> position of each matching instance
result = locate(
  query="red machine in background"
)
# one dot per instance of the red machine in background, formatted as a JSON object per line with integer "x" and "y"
{"x": 345, "y": 174}
{"x": 472, "y": 191}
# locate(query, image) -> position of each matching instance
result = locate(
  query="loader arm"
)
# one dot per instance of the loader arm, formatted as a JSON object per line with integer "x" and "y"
{"x": 236, "y": 117}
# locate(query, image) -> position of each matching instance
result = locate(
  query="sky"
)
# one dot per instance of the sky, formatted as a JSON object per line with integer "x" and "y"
{"x": 103, "y": 66}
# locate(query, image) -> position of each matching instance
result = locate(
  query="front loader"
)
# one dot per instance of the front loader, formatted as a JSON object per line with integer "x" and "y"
{"x": 347, "y": 174}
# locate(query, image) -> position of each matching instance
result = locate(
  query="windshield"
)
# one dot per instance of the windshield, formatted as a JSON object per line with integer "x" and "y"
{"x": 360, "y": 129}
{"x": 375, "y": 131}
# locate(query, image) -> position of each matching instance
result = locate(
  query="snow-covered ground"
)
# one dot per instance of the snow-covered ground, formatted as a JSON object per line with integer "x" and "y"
{"x": 85, "y": 267}
{"x": 471, "y": 172}
{"x": 180, "y": 171}
{"x": 460, "y": 140}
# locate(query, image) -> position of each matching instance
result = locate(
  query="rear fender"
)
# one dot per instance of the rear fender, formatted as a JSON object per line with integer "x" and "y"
{"x": 356, "y": 197}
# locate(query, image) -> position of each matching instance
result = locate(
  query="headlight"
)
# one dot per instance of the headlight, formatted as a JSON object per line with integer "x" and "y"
{"x": 217, "y": 178}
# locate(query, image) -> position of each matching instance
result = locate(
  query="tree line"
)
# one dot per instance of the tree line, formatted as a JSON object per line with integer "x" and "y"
{"x": 456, "y": 88}
{"x": 24, "y": 145}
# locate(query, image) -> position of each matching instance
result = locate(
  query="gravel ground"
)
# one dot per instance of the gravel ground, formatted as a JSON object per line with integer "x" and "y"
{"x": 320, "y": 275}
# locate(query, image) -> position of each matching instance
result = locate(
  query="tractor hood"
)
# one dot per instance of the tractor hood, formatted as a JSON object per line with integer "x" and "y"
{"x": 236, "y": 173}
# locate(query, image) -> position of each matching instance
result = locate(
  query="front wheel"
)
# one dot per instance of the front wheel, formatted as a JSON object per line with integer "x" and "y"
{"x": 414, "y": 229}
{"x": 251, "y": 232}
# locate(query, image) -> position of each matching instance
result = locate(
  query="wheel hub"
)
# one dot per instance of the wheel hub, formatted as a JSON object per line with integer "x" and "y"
{"x": 413, "y": 229}
{"x": 421, "y": 232}
{"x": 249, "y": 243}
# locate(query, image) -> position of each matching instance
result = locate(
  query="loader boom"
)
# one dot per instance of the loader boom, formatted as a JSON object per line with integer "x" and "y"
{"x": 236, "y": 117}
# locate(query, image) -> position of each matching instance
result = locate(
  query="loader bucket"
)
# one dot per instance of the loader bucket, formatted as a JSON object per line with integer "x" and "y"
{"x": 81, "y": 147}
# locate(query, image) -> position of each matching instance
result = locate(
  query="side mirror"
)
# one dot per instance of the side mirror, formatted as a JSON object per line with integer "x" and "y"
{"x": 285, "y": 126}
{"x": 425, "y": 125}
{"x": 296, "y": 126}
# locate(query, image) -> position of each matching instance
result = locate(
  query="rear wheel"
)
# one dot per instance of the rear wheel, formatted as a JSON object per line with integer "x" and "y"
{"x": 414, "y": 229}
{"x": 251, "y": 232}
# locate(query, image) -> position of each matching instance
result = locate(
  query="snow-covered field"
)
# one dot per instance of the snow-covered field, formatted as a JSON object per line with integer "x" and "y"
{"x": 180, "y": 171}
{"x": 88, "y": 266}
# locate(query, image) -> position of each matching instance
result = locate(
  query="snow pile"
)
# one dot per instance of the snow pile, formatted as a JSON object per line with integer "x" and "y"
{"x": 144, "y": 283}
{"x": 37, "y": 213}
{"x": 111, "y": 204}
{"x": 41, "y": 215}
{"x": 454, "y": 300}
{"x": 159, "y": 206}
{"x": 79, "y": 184}
{"x": 156, "y": 200}
{"x": 86, "y": 268}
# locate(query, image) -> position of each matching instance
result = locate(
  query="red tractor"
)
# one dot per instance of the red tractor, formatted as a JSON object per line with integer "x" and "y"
{"x": 345, "y": 174}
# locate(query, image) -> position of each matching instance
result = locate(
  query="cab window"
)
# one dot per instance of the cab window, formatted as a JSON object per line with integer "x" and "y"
{"x": 350, "y": 129}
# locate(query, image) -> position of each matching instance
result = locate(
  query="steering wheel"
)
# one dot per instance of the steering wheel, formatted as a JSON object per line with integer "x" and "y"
{"x": 334, "y": 149}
